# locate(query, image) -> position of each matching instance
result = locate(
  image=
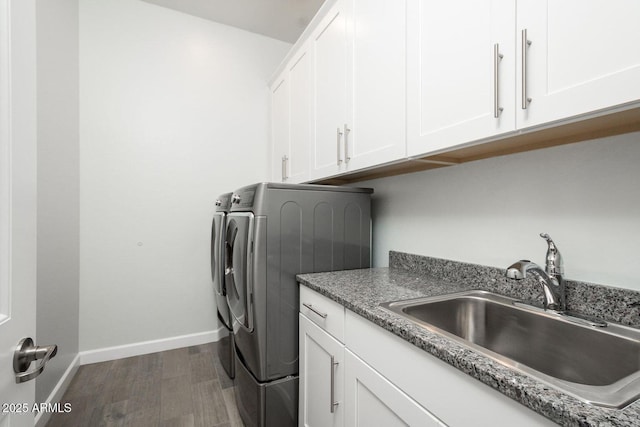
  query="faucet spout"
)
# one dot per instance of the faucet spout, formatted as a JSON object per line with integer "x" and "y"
{"x": 551, "y": 288}
{"x": 550, "y": 278}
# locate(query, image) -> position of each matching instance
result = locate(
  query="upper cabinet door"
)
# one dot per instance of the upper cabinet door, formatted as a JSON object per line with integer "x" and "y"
{"x": 376, "y": 103}
{"x": 291, "y": 121}
{"x": 300, "y": 117}
{"x": 279, "y": 127}
{"x": 583, "y": 56}
{"x": 461, "y": 64}
{"x": 329, "y": 47}
{"x": 359, "y": 77}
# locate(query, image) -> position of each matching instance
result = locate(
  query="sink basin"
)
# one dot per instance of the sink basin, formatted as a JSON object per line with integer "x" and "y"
{"x": 599, "y": 365}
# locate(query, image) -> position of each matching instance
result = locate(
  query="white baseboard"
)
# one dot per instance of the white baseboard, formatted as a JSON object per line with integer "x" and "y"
{"x": 58, "y": 390}
{"x": 146, "y": 347}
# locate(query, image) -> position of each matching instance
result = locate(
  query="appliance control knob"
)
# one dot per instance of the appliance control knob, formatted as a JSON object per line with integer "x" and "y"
{"x": 218, "y": 202}
{"x": 235, "y": 199}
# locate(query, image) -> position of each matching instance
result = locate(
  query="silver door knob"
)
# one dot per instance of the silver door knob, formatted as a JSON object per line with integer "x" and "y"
{"x": 26, "y": 352}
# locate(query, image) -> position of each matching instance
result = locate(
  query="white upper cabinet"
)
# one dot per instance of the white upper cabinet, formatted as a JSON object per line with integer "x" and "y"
{"x": 583, "y": 56}
{"x": 377, "y": 98}
{"x": 329, "y": 47}
{"x": 291, "y": 121}
{"x": 461, "y": 72}
{"x": 299, "y": 118}
{"x": 472, "y": 76}
{"x": 359, "y": 76}
{"x": 376, "y": 81}
{"x": 279, "y": 127}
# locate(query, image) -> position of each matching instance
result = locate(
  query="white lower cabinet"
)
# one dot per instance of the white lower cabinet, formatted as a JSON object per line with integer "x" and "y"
{"x": 371, "y": 377}
{"x": 321, "y": 377}
{"x": 455, "y": 398}
{"x": 371, "y": 400}
{"x": 337, "y": 388}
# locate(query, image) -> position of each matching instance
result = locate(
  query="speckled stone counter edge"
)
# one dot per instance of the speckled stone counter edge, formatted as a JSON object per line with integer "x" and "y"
{"x": 613, "y": 304}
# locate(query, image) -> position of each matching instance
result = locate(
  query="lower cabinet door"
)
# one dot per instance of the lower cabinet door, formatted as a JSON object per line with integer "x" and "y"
{"x": 321, "y": 377}
{"x": 371, "y": 400}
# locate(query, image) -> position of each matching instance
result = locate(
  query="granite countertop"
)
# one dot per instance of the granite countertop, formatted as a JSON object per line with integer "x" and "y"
{"x": 409, "y": 276}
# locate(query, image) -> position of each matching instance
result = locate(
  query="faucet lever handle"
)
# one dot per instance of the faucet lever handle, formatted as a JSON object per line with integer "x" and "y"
{"x": 546, "y": 237}
{"x": 554, "y": 259}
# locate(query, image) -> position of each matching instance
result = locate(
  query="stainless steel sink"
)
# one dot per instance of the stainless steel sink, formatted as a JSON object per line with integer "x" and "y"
{"x": 599, "y": 365}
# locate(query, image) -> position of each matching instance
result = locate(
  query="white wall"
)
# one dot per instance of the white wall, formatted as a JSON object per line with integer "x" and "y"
{"x": 490, "y": 212}
{"x": 58, "y": 180}
{"x": 174, "y": 112}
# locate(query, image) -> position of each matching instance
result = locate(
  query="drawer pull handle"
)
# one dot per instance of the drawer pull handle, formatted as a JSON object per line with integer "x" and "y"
{"x": 319, "y": 313}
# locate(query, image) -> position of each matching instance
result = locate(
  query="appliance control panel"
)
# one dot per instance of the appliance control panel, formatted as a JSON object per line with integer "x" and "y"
{"x": 223, "y": 202}
{"x": 243, "y": 199}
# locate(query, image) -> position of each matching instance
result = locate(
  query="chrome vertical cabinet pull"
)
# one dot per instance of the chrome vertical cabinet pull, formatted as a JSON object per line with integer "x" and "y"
{"x": 346, "y": 143}
{"x": 285, "y": 161}
{"x": 332, "y": 396}
{"x": 525, "y": 47}
{"x": 25, "y": 353}
{"x": 497, "y": 57}
{"x": 286, "y": 167}
{"x": 282, "y": 168}
{"x": 339, "y": 136}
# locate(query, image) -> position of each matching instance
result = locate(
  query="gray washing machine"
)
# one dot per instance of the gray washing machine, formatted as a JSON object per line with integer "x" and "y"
{"x": 218, "y": 230}
{"x": 275, "y": 231}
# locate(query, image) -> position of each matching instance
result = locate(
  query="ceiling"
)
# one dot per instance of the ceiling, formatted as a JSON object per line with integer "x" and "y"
{"x": 279, "y": 19}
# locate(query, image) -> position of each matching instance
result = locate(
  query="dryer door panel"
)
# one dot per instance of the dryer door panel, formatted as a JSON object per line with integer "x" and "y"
{"x": 217, "y": 252}
{"x": 238, "y": 258}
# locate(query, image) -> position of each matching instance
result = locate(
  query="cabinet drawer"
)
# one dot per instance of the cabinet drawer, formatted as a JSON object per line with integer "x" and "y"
{"x": 327, "y": 314}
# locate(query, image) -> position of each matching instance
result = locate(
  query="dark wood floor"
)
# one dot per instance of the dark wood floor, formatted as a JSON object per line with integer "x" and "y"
{"x": 182, "y": 387}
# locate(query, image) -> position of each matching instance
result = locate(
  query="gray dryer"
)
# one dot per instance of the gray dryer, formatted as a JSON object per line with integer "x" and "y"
{"x": 275, "y": 231}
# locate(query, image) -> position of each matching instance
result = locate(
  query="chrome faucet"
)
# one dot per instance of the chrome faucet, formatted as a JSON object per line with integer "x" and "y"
{"x": 550, "y": 278}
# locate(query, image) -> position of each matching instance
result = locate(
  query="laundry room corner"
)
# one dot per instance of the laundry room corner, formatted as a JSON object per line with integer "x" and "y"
{"x": 170, "y": 105}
